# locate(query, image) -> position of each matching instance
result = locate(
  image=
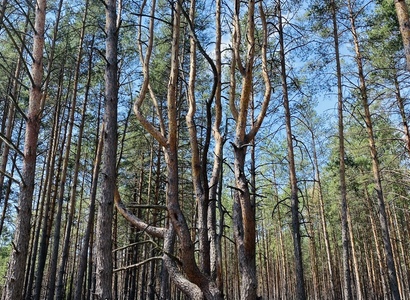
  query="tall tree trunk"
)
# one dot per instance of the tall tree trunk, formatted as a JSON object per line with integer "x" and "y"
{"x": 297, "y": 244}
{"x": 347, "y": 286}
{"x": 244, "y": 208}
{"x": 355, "y": 263}
{"x": 73, "y": 193}
{"x": 318, "y": 186}
{"x": 199, "y": 181}
{"x": 82, "y": 263}
{"x": 313, "y": 248}
{"x": 400, "y": 104}
{"x": 402, "y": 12}
{"x": 15, "y": 275}
{"x": 48, "y": 214}
{"x": 104, "y": 262}
{"x": 215, "y": 184}
{"x": 9, "y": 117}
{"x": 380, "y": 266}
{"x": 400, "y": 238}
{"x": 375, "y": 164}
{"x": 5, "y": 153}
{"x": 44, "y": 225}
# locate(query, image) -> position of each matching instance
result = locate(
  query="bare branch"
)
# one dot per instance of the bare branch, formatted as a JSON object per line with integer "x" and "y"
{"x": 9, "y": 176}
{"x": 138, "y": 264}
{"x": 130, "y": 217}
{"x": 10, "y": 144}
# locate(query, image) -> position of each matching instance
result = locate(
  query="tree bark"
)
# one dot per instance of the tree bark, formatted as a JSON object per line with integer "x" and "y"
{"x": 15, "y": 275}
{"x": 104, "y": 261}
{"x": 400, "y": 104}
{"x": 394, "y": 289}
{"x": 404, "y": 23}
{"x": 244, "y": 208}
{"x": 347, "y": 287}
{"x": 73, "y": 192}
{"x": 297, "y": 245}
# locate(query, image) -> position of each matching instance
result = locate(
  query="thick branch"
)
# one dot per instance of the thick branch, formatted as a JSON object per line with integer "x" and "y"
{"x": 130, "y": 217}
{"x": 268, "y": 86}
{"x": 148, "y": 126}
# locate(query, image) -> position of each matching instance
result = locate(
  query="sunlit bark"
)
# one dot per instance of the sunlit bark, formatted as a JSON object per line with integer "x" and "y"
{"x": 15, "y": 275}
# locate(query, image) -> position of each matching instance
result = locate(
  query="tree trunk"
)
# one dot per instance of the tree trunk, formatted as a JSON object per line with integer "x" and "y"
{"x": 244, "y": 208}
{"x": 318, "y": 186}
{"x": 44, "y": 225}
{"x": 82, "y": 263}
{"x": 215, "y": 185}
{"x": 355, "y": 263}
{"x": 380, "y": 265}
{"x": 104, "y": 263}
{"x": 404, "y": 23}
{"x": 297, "y": 245}
{"x": 375, "y": 165}
{"x": 347, "y": 288}
{"x": 15, "y": 275}
{"x": 400, "y": 104}
{"x": 73, "y": 196}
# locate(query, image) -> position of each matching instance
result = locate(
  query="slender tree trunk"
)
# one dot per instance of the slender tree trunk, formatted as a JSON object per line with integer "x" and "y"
{"x": 104, "y": 261}
{"x": 59, "y": 213}
{"x": 15, "y": 275}
{"x": 394, "y": 289}
{"x": 201, "y": 191}
{"x": 214, "y": 184}
{"x": 297, "y": 244}
{"x": 355, "y": 263}
{"x": 40, "y": 245}
{"x": 82, "y": 264}
{"x": 51, "y": 196}
{"x": 313, "y": 252}
{"x": 347, "y": 287}
{"x": 318, "y": 185}
{"x": 399, "y": 239}
{"x": 8, "y": 188}
{"x": 2, "y": 11}
{"x": 400, "y": 104}
{"x": 380, "y": 266}
{"x": 9, "y": 118}
{"x": 73, "y": 194}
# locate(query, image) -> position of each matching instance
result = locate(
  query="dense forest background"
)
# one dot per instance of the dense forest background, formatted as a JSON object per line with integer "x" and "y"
{"x": 204, "y": 149}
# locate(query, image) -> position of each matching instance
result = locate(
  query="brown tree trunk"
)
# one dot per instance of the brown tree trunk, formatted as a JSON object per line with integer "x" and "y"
{"x": 215, "y": 184}
{"x": 82, "y": 263}
{"x": 380, "y": 266}
{"x": 400, "y": 104}
{"x": 318, "y": 186}
{"x": 375, "y": 165}
{"x": 355, "y": 262}
{"x": 244, "y": 208}
{"x": 347, "y": 287}
{"x": 312, "y": 248}
{"x": 404, "y": 23}
{"x": 200, "y": 188}
{"x": 9, "y": 118}
{"x": 402, "y": 254}
{"x": 297, "y": 245}
{"x": 44, "y": 223}
{"x": 73, "y": 193}
{"x": 104, "y": 261}
{"x": 15, "y": 275}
